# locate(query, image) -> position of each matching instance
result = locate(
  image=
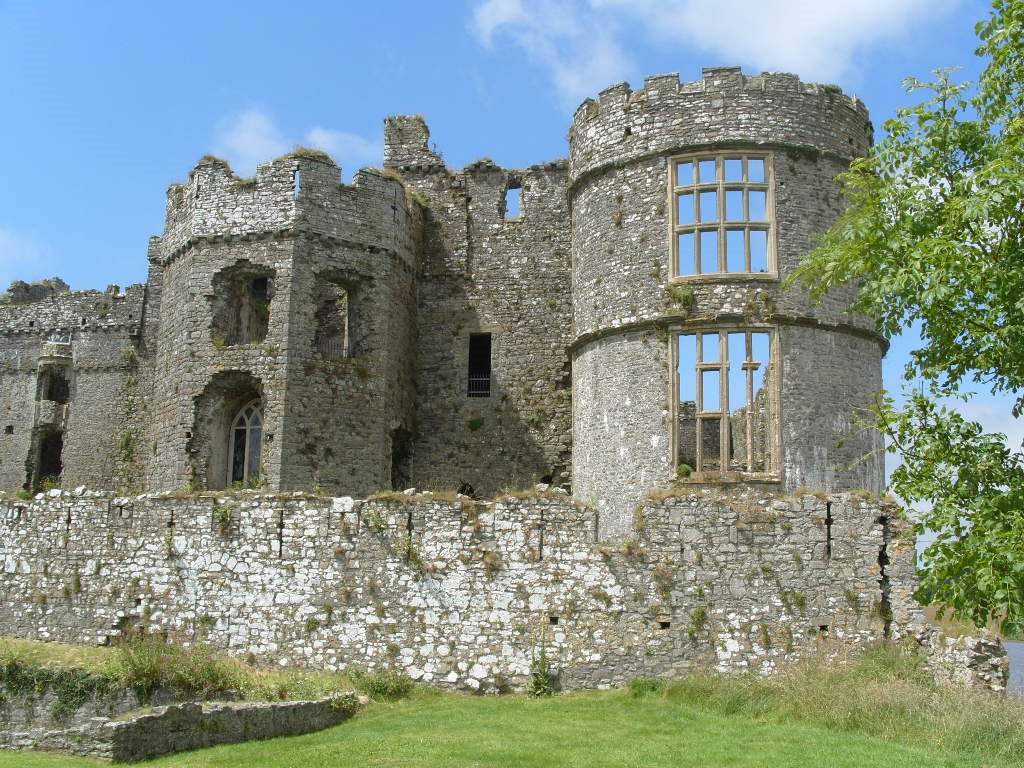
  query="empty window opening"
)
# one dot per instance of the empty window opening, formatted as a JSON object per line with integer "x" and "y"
{"x": 823, "y": 629}
{"x": 664, "y": 624}
{"x": 54, "y": 385}
{"x": 513, "y": 201}
{"x": 246, "y": 448}
{"x": 727, "y": 403}
{"x": 479, "y": 365}
{"x": 49, "y": 464}
{"x": 721, "y": 215}
{"x": 241, "y": 300}
{"x": 9, "y": 429}
{"x": 297, "y": 181}
{"x": 332, "y": 322}
{"x": 401, "y": 459}
{"x": 553, "y": 621}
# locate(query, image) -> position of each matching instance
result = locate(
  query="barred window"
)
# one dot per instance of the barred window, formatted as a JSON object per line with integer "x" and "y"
{"x": 726, "y": 412}
{"x": 722, "y": 214}
{"x": 479, "y": 365}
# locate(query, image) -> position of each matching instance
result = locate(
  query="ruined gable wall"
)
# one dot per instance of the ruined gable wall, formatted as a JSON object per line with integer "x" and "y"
{"x": 461, "y": 593}
{"x": 483, "y": 273}
{"x": 99, "y": 352}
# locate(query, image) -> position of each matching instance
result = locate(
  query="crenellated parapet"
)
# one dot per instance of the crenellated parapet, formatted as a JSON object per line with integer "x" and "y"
{"x": 63, "y": 314}
{"x": 298, "y": 193}
{"x": 725, "y": 106}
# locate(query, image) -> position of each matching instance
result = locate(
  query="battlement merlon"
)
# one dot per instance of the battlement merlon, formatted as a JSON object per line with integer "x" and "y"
{"x": 725, "y": 107}
{"x": 300, "y": 192}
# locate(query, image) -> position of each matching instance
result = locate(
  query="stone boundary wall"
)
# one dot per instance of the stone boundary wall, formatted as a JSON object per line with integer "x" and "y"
{"x": 462, "y": 594}
{"x": 178, "y": 728}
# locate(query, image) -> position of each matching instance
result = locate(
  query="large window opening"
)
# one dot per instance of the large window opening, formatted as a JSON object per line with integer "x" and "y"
{"x": 49, "y": 462}
{"x": 246, "y": 445}
{"x": 722, "y": 214}
{"x": 332, "y": 322}
{"x": 726, "y": 411}
{"x": 54, "y": 384}
{"x": 241, "y": 304}
{"x": 228, "y": 435}
{"x": 479, "y": 365}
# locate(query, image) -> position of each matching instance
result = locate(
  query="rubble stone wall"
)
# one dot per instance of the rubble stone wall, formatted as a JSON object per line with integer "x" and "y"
{"x": 463, "y": 593}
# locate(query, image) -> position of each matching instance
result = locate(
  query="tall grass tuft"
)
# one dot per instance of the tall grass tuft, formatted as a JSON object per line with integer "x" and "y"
{"x": 887, "y": 692}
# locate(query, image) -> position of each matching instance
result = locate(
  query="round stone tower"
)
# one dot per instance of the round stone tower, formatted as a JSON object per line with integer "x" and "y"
{"x": 692, "y": 360}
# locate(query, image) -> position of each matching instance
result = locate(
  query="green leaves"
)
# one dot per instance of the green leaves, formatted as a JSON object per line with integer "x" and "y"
{"x": 934, "y": 235}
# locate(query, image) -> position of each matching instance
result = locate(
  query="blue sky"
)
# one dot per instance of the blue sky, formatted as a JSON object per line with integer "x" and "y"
{"x": 105, "y": 104}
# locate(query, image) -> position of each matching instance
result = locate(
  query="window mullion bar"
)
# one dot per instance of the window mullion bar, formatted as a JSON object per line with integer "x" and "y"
{"x": 723, "y": 401}
{"x": 750, "y": 402}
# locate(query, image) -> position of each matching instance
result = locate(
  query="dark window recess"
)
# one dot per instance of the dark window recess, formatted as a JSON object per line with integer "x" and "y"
{"x": 55, "y": 386}
{"x": 553, "y": 620}
{"x": 9, "y": 429}
{"x": 332, "y": 322}
{"x": 261, "y": 289}
{"x": 50, "y": 465}
{"x": 664, "y": 624}
{"x": 241, "y": 305}
{"x": 479, "y": 365}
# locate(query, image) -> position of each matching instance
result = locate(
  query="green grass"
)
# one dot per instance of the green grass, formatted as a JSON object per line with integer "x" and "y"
{"x": 882, "y": 709}
{"x": 146, "y": 664}
{"x": 593, "y": 729}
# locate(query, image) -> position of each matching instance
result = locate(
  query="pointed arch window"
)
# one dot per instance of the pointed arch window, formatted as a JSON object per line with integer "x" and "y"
{"x": 246, "y": 444}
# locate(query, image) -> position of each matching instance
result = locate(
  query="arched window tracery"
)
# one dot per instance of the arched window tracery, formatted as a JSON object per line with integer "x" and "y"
{"x": 245, "y": 447}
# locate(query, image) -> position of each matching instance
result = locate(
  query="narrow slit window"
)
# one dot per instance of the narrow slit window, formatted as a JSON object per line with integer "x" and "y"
{"x": 722, "y": 215}
{"x": 479, "y": 365}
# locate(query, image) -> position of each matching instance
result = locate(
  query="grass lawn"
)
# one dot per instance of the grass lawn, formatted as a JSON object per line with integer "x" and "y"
{"x": 593, "y": 729}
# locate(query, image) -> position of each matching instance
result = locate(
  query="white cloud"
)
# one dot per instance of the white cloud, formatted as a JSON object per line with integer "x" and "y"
{"x": 817, "y": 40}
{"x": 253, "y": 136}
{"x": 249, "y": 138}
{"x": 578, "y": 46}
{"x": 580, "y": 41}
{"x": 993, "y": 412}
{"x": 21, "y": 257}
{"x": 349, "y": 150}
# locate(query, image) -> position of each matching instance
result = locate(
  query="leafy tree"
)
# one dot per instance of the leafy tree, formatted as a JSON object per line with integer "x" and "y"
{"x": 934, "y": 236}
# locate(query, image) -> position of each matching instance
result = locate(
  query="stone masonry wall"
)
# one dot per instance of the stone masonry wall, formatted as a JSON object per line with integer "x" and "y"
{"x": 462, "y": 593}
{"x": 111, "y": 727}
{"x": 92, "y": 337}
{"x": 483, "y": 272}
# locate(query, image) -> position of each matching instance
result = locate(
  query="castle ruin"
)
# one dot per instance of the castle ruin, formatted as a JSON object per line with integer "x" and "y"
{"x": 615, "y": 323}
